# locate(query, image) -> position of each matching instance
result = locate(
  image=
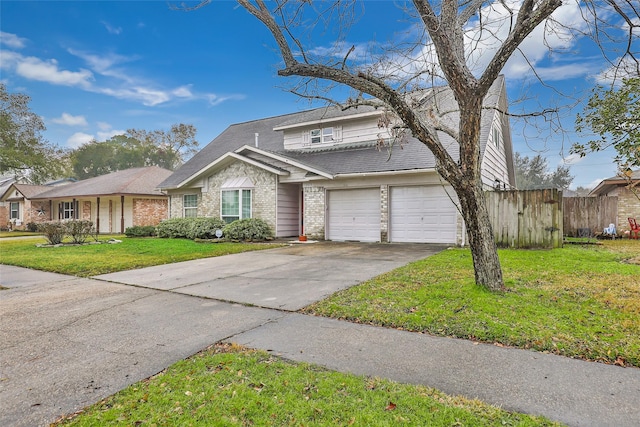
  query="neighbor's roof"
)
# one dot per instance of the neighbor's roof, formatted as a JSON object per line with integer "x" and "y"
{"x": 27, "y": 191}
{"x": 609, "y": 184}
{"x": 139, "y": 181}
{"x": 337, "y": 159}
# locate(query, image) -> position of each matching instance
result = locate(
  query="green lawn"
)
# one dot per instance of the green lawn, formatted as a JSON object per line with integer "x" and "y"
{"x": 90, "y": 260}
{"x": 232, "y": 386}
{"x": 578, "y": 301}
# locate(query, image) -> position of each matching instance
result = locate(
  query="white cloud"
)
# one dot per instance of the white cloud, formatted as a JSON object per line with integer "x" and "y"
{"x": 571, "y": 159}
{"x": 12, "y": 40}
{"x": 48, "y": 71}
{"x": 79, "y": 138}
{"x": 183, "y": 92}
{"x": 103, "y": 136}
{"x": 104, "y": 126}
{"x": 148, "y": 97}
{"x": 111, "y": 29}
{"x": 69, "y": 120}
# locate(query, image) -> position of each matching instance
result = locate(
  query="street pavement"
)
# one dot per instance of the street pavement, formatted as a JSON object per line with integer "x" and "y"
{"x": 67, "y": 342}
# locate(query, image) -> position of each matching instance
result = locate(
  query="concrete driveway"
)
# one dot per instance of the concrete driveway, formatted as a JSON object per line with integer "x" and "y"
{"x": 67, "y": 342}
{"x": 287, "y": 278}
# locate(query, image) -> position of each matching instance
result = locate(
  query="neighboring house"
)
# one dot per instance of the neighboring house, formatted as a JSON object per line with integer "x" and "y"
{"x": 321, "y": 173}
{"x": 113, "y": 202}
{"x": 628, "y": 199}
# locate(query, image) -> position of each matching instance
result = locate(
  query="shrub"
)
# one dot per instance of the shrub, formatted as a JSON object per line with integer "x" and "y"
{"x": 174, "y": 228}
{"x": 31, "y": 226}
{"x": 53, "y": 231}
{"x": 204, "y": 228}
{"x": 79, "y": 230}
{"x": 140, "y": 231}
{"x": 248, "y": 229}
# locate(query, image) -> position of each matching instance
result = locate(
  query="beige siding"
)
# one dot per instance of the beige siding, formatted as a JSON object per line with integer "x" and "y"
{"x": 288, "y": 220}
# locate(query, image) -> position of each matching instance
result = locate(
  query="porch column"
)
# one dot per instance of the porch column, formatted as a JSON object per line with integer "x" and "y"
{"x": 97, "y": 215}
{"x": 121, "y": 214}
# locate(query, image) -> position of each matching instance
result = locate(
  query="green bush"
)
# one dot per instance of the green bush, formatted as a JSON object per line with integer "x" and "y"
{"x": 140, "y": 231}
{"x": 174, "y": 228}
{"x": 53, "y": 231}
{"x": 31, "y": 226}
{"x": 250, "y": 229}
{"x": 79, "y": 230}
{"x": 204, "y": 228}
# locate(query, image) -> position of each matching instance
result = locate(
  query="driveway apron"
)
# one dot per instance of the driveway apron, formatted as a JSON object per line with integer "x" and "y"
{"x": 67, "y": 342}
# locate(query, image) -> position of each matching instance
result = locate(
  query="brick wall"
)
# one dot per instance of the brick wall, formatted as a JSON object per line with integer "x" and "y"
{"x": 149, "y": 211}
{"x": 628, "y": 207}
{"x": 384, "y": 213}
{"x": 314, "y": 209}
{"x": 86, "y": 210}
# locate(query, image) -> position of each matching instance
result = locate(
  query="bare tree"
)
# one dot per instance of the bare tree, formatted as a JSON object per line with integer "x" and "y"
{"x": 463, "y": 43}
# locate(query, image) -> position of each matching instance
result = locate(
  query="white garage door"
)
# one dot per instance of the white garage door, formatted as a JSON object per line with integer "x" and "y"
{"x": 354, "y": 215}
{"x": 422, "y": 214}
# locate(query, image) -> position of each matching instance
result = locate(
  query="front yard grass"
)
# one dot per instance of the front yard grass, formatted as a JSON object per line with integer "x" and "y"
{"x": 231, "y": 386}
{"x": 90, "y": 260}
{"x": 578, "y": 301}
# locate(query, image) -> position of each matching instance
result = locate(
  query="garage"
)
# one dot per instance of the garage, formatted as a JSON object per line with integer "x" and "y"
{"x": 422, "y": 214}
{"x": 354, "y": 215}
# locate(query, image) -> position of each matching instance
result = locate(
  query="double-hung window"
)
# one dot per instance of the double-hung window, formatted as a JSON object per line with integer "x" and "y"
{"x": 190, "y": 205}
{"x": 496, "y": 136}
{"x": 316, "y": 136}
{"x": 236, "y": 204}
{"x": 68, "y": 210}
{"x": 14, "y": 209}
{"x": 327, "y": 134}
{"x": 322, "y": 135}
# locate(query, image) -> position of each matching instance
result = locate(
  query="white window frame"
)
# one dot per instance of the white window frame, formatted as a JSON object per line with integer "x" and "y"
{"x": 193, "y": 210}
{"x": 315, "y": 136}
{"x": 496, "y": 136}
{"x": 68, "y": 210}
{"x": 327, "y": 134}
{"x": 12, "y": 210}
{"x": 228, "y": 218}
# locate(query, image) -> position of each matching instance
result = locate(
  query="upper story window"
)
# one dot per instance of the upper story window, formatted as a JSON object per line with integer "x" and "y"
{"x": 14, "y": 209}
{"x": 190, "y": 205}
{"x": 496, "y": 136}
{"x": 329, "y": 134}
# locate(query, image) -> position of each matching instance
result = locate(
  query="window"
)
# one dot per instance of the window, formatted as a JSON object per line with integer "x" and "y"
{"x": 68, "y": 210}
{"x": 236, "y": 204}
{"x": 327, "y": 134}
{"x": 14, "y": 209}
{"x": 322, "y": 135}
{"x": 496, "y": 136}
{"x": 190, "y": 205}
{"x": 315, "y": 136}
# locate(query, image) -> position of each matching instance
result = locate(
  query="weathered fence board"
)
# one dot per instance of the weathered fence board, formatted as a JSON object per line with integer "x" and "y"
{"x": 526, "y": 219}
{"x": 592, "y": 213}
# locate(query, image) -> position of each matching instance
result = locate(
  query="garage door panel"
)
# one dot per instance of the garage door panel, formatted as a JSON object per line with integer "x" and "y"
{"x": 354, "y": 215}
{"x": 422, "y": 214}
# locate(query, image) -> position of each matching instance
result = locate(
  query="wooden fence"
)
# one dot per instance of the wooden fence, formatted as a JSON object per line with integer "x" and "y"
{"x": 588, "y": 215}
{"x": 526, "y": 219}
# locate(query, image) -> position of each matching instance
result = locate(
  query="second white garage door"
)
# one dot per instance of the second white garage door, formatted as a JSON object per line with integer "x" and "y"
{"x": 354, "y": 215}
{"x": 422, "y": 214}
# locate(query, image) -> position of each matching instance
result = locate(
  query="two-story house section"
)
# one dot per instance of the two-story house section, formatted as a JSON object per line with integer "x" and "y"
{"x": 323, "y": 173}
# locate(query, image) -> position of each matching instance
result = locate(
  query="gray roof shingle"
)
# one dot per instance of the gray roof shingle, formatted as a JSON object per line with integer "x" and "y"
{"x": 337, "y": 159}
{"x": 139, "y": 181}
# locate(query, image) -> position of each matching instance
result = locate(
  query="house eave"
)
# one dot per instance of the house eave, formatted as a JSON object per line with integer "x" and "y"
{"x": 328, "y": 120}
{"x": 385, "y": 173}
{"x": 286, "y": 160}
{"x": 222, "y": 161}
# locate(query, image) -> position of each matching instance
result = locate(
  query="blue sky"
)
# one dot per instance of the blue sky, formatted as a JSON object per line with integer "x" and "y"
{"x": 96, "y": 68}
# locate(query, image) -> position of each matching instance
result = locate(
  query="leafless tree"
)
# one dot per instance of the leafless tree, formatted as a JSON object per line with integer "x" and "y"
{"x": 462, "y": 43}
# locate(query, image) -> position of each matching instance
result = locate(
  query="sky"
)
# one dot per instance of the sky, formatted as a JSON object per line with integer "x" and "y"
{"x": 94, "y": 69}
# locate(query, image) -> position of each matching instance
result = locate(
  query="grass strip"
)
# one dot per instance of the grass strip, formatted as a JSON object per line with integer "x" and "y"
{"x": 227, "y": 385}
{"x": 578, "y": 301}
{"x": 90, "y": 260}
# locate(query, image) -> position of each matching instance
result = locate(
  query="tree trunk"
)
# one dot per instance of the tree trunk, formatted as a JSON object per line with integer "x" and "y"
{"x": 484, "y": 251}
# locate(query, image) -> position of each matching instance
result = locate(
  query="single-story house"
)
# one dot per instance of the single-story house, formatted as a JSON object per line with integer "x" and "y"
{"x": 113, "y": 201}
{"x": 628, "y": 198}
{"x": 322, "y": 173}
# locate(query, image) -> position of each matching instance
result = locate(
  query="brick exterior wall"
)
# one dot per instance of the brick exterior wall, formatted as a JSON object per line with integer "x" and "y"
{"x": 314, "y": 210}
{"x": 384, "y": 213}
{"x": 86, "y": 210}
{"x": 263, "y": 194}
{"x": 4, "y": 215}
{"x": 628, "y": 207}
{"x": 149, "y": 211}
